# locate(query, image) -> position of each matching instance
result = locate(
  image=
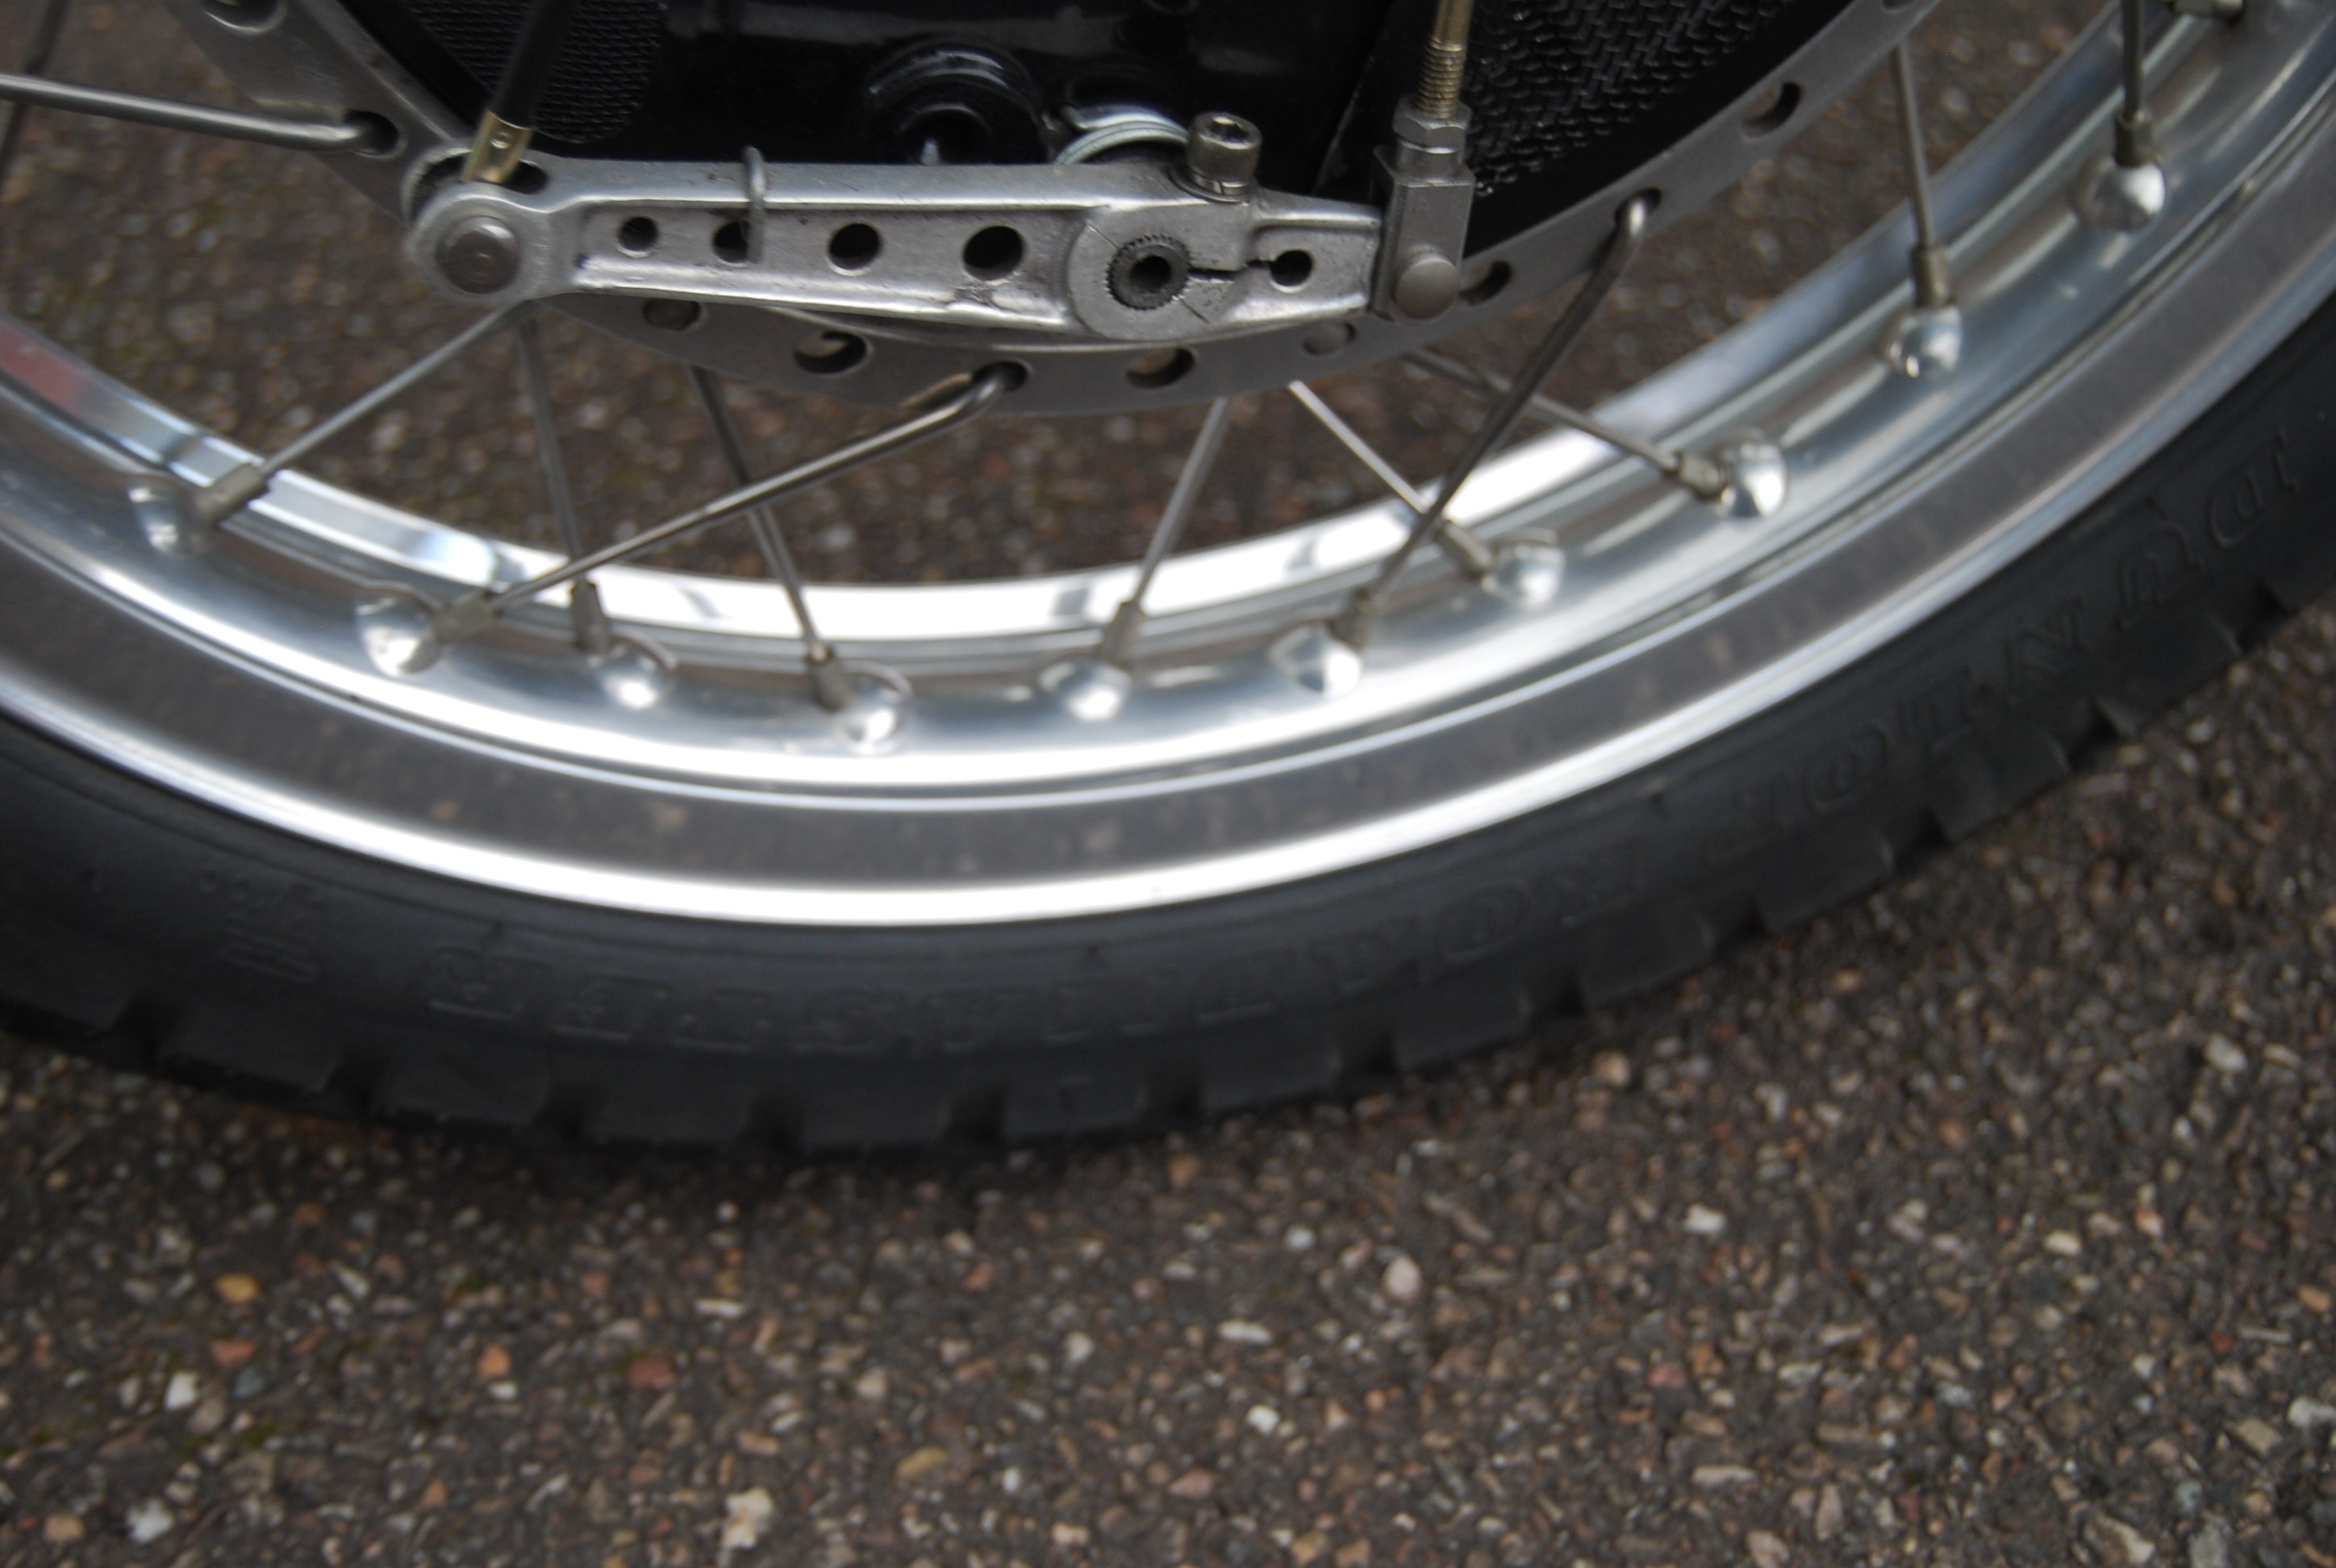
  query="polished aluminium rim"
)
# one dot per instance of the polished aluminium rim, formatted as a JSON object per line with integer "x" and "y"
{"x": 688, "y": 773}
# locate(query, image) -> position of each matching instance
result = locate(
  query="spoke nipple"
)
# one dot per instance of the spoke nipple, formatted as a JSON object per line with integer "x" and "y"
{"x": 1091, "y": 690}
{"x": 398, "y": 629}
{"x": 1320, "y": 656}
{"x": 2119, "y": 198}
{"x": 634, "y": 674}
{"x": 1757, "y": 478}
{"x": 1700, "y": 476}
{"x": 231, "y": 492}
{"x": 1118, "y": 644}
{"x": 1527, "y": 571}
{"x": 832, "y": 685}
{"x": 479, "y": 254}
{"x": 872, "y": 720}
{"x": 166, "y": 515}
{"x": 465, "y": 618}
{"x": 589, "y": 618}
{"x": 1923, "y": 342}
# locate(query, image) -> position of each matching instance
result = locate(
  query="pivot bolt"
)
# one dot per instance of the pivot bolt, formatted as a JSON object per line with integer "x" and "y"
{"x": 1221, "y": 156}
{"x": 1427, "y": 285}
{"x": 478, "y": 255}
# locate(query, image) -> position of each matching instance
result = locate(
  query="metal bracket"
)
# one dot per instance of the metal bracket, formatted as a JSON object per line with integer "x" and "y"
{"x": 1429, "y": 191}
{"x": 1120, "y": 252}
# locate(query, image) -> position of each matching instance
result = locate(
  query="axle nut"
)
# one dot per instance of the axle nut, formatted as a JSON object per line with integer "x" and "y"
{"x": 478, "y": 255}
{"x": 1220, "y": 155}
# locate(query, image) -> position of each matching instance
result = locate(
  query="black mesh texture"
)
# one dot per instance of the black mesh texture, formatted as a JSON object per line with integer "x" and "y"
{"x": 598, "y": 76}
{"x": 1552, "y": 80}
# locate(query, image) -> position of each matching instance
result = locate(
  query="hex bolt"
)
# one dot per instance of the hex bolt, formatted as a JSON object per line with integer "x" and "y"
{"x": 478, "y": 255}
{"x": 1220, "y": 155}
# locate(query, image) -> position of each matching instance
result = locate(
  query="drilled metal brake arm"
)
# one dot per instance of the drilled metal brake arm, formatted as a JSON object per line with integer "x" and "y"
{"x": 1117, "y": 252}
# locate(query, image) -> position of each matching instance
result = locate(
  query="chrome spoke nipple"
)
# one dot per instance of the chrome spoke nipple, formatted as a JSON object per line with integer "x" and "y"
{"x": 1321, "y": 657}
{"x": 231, "y": 492}
{"x": 1090, "y": 688}
{"x": 398, "y": 629}
{"x": 1700, "y": 476}
{"x": 878, "y": 710}
{"x": 595, "y": 637}
{"x": 832, "y": 685}
{"x": 1527, "y": 571}
{"x": 1924, "y": 341}
{"x": 1118, "y": 644}
{"x": 465, "y": 618}
{"x": 1758, "y": 478}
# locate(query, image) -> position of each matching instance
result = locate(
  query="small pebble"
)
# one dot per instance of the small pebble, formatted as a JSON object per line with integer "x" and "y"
{"x": 1701, "y": 1221}
{"x": 1401, "y": 1280}
{"x": 1612, "y": 1069}
{"x": 2224, "y": 1055}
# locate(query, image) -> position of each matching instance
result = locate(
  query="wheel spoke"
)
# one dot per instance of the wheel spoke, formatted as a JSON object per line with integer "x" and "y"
{"x": 1466, "y": 553}
{"x": 1695, "y": 472}
{"x": 47, "y": 27}
{"x": 828, "y": 680}
{"x": 271, "y": 130}
{"x": 1127, "y": 624}
{"x": 475, "y": 611}
{"x": 248, "y": 481}
{"x": 1927, "y": 338}
{"x": 593, "y": 634}
{"x": 1352, "y": 624}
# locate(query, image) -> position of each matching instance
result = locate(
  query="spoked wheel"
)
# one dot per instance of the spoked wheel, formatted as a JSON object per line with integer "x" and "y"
{"x": 341, "y": 804}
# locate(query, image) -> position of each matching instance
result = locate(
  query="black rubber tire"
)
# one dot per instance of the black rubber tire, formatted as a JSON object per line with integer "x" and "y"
{"x": 155, "y": 933}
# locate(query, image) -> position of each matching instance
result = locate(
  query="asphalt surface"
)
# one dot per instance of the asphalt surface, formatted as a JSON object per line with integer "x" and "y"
{"x": 1988, "y": 1221}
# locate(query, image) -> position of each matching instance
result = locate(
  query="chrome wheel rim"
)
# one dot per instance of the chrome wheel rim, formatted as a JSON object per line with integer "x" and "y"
{"x": 687, "y": 772}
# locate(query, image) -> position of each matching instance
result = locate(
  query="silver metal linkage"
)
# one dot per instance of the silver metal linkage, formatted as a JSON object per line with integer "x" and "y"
{"x": 1463, "y": 548}
{"x": 47, "y": 27}
{"x": 1352, "y": 624}
{"x": 594, "y": 635}
{"x": 357, "y": 134}
{"x": 248, "y": 481}
{"x": 830, "y": 685}
{"x": 477, "y": 610}
{"x": 1119, "y": 638}
{"x": 1927, "y": 338}
{"x": 1693, "y": 472}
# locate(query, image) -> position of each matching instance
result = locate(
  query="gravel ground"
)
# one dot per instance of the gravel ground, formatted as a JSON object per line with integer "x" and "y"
{"x": 1988, "y": 1221}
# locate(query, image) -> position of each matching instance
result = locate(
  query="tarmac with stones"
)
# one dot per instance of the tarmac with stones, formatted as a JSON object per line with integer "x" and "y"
{"x": 1988, "y": 1221}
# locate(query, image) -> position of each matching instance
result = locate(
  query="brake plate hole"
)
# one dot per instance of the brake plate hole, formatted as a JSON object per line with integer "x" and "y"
{"x": 1770, "y": 116}
{"x": 637, "y": 236}
{"x": 1488, "y": 284}
{"x": 993, "y": 252}
{"x": 730, "y": 242}
{"x": 1161, "y": 368}
{"x": 830, "y": 352}
{"x": 1292, "y": 269}
{"x": 672, "y": 314}
{"x": 854, "y": 247}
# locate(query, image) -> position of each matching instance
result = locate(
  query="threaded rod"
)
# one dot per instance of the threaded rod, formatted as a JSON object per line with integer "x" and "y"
{"x": 1444, "y": 59}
